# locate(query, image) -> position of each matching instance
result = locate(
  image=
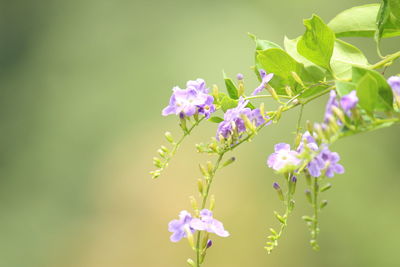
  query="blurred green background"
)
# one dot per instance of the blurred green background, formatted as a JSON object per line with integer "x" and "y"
{"x": 83, "y": 83}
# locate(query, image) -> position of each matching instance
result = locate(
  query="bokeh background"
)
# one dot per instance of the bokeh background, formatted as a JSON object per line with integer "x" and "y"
{"x": 82, "y": 85}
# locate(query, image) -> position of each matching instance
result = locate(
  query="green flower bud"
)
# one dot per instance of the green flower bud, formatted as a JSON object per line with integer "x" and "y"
{"x": 326, "y": 187}
{"x": 168, "y": 136}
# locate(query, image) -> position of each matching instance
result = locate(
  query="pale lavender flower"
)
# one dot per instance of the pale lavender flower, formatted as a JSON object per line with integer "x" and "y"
{"x": 187, "y": 102}
{"x": 177, "y": 227}
{"x": 348, "y": 102}
{"x": 284, "y": 158}
{"x": 239, "y": 76}
{"x": 233, "y": 119}
{"x": 394, "y": 82}
{"x": 199, "y": 85}
{"x": 265, "y": 78}
{"x": 308, "y": 140}
{"x": 209, "y": 224}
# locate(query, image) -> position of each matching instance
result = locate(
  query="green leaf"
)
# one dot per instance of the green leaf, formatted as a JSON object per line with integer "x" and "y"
{"x": 279, "y": 62}
{"x": 315, "y": 72}
{"x": 231, "y": 87}
{"x": 263, "y": 44}
{"x": 215, "y": 119}
{"x": 388, "y": 19}
{"x": 344, "y": 57}
{"x": 317, "y": 42}
{"x": 228, "y": 103}
{"x": 344, "y": 88}
{"x": 367, "y": 92}
{"x": 360, "y": 21}
{"x": 384, "y": 101}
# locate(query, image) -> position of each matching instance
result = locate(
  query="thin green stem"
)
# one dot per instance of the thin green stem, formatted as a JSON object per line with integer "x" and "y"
{"x": 266, "y": 96}
{"x": 204, "y": 202}
{"x": 388, "y": 59}
{"x": 315, "y": 204}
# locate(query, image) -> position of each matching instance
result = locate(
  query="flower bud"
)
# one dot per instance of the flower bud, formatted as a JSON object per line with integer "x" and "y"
{"x": 297, "y": 78}
{"x": 168, "y": 136}
{"x": 239, "y": 76}
{"x": 165, "y": 149}
{"x": 215, "y": 92}
{"x": 308, "y": 195}
{"x": 212, "y": 202}
{"x": 155, "y": 174}
{"x": 193, "y": 201}
{"x": 272, "y": 92}
{"x": 278, "y": 190}
{"x": 229, "y": 161}
{"x": 209, "y": 243}
{"x": 203, "y": 170}
{"x": 189, "y": 235}
{"x": 324, "y": 203}
{"x": 249, "y": 125}
{"x": 326, "y": 187}
{"x": 310, "y": 128}
{"x": 157, "y": 162}
{"x": 191, "y": 262}
{"x": 339, "y": 113}
{"x": 291, "y": 204}
{"x": 292, "y": 184}
{"x": 200, "y": 186}
{"x": 162, "y": 153}
{"x": 262, "y": 109}
{"x": 210, "y": 167}
{"x": 288, "y": 91}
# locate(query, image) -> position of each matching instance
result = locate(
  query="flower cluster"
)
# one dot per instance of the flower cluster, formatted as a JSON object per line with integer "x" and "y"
{"x": 236, "y": 120}
{"x": 190, "y": 101}
{"x": 323, "y": 161}
{"x": 188, "y": 224}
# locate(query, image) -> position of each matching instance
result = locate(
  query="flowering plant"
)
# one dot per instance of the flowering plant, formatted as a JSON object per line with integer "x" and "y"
{"x": 312, "y": 65}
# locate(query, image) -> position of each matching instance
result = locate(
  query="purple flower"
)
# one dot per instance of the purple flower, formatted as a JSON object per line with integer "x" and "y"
{"x": 325, "y": 160}
{"x": 283, "y": 159}
{"x": 187, "y": 102}
{"x": 208, "y": 223}
{"x": 332, "y": 102}
{"x": 348, "y": 102}
{"x": 394, "y": 82}
{"x": 331, "y": 162}
{"x": 177, "y": 227}
{"x": 265, "y": 78}
{"x": 239, "y": 76}
{"x": 233, "y": 121}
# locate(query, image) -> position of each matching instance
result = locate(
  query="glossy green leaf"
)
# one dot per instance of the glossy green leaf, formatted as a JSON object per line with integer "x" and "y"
{"x": 384, "y": 101}
{"x": 359, "y": 21}
{"x": 367, "y": 92}
{"x": 344, "y": 57}
{"x": 263, "y": 44}
{"x": 315, "y": 72}
{"x": 280, "y": 63}
{"x": 317, "y": 42}
{"x": 344, "y": 88}
{"x": 215, "y": 119}
{"x": 231, "y": 87}
{"x": 228, "y": 103}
